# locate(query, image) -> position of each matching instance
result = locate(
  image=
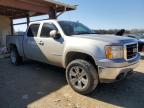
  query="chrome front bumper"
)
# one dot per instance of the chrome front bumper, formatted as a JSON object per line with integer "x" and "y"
{"x": 108, "y": 75}
{"x": 111, "y": 70}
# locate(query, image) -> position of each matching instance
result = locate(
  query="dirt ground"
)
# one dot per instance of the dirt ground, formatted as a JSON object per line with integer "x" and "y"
{"x": 37, "y": 85}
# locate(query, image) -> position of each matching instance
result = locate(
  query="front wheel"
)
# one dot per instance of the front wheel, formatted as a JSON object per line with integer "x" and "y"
{"x": 82, "y": 76}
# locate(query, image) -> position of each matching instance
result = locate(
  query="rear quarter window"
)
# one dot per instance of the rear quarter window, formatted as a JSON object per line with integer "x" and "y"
{"x": 33, "y": 30}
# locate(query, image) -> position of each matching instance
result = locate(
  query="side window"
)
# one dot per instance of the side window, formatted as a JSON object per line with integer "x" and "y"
{"x": 46, "y": 28}
{"x": 33, "y": 30}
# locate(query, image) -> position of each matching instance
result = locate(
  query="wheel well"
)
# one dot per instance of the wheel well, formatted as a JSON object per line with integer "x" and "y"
{"x": 11, "y": 46}
{"x": 78, "y": 55}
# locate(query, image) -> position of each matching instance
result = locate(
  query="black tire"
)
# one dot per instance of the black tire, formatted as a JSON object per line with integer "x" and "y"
{"x": 87, "y": 72}
{"x": 14, "y": 57}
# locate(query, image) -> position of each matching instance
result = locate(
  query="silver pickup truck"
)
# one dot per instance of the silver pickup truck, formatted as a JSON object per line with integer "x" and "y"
{"x": 89, "y": 58}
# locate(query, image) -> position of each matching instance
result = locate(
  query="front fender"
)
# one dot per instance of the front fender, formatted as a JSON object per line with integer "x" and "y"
{"x": 77, "y": 51}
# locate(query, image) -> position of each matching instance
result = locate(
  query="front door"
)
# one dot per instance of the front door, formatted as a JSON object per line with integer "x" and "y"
{"x": 52, "y": 49}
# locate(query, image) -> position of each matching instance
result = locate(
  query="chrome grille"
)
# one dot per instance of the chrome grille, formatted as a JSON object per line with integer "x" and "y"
{"x": 132, "y": 50}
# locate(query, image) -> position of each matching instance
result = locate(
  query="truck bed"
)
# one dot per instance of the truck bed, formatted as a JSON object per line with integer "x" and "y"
{"x": 15, "y": 40}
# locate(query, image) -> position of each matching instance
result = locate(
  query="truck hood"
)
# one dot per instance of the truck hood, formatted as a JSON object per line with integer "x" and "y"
{"x": 108, "y": 38}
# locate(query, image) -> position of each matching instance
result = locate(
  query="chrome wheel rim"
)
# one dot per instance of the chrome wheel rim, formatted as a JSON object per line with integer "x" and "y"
{"x": 13, "y": 57}
{"x": 78, "y": 77}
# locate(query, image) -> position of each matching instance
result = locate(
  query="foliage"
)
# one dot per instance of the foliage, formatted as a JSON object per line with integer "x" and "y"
{"x": 114, "y": 31}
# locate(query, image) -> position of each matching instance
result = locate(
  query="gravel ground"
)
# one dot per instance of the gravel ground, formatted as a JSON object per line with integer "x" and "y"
{"x": 37, "y": 85}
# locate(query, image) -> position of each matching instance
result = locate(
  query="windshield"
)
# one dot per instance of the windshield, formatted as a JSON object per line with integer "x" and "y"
{"x": 74, "y": 28}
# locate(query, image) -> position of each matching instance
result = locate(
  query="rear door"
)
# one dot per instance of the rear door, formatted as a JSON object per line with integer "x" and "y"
{"x": 31, "y": 43}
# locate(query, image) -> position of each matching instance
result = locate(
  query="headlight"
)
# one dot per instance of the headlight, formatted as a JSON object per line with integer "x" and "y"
{"x": 114, "y": 52}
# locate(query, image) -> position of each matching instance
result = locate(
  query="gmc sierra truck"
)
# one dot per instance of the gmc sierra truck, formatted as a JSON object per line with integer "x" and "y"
{"x": 89, "y": 58}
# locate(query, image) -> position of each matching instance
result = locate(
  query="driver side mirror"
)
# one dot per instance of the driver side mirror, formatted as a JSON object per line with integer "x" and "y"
{"x": 55, "y": 34}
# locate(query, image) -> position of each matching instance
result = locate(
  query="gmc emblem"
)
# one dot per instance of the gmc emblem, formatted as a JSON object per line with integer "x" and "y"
{"x": 134, "y": 50}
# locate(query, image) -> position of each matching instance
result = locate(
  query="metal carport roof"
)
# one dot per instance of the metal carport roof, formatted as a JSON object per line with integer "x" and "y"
{"x": 23, "y": 8}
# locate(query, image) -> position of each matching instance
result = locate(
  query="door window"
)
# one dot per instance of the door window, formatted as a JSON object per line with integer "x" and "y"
{"x": 46, "y": 28}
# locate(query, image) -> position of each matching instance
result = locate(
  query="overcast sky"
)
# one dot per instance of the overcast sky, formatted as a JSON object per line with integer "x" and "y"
{"x": 104, "y": 14}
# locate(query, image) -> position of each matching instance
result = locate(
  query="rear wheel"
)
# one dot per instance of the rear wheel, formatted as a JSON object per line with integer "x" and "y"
{"x": 14, "y": 57}
{"x": 82, "y": 76}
